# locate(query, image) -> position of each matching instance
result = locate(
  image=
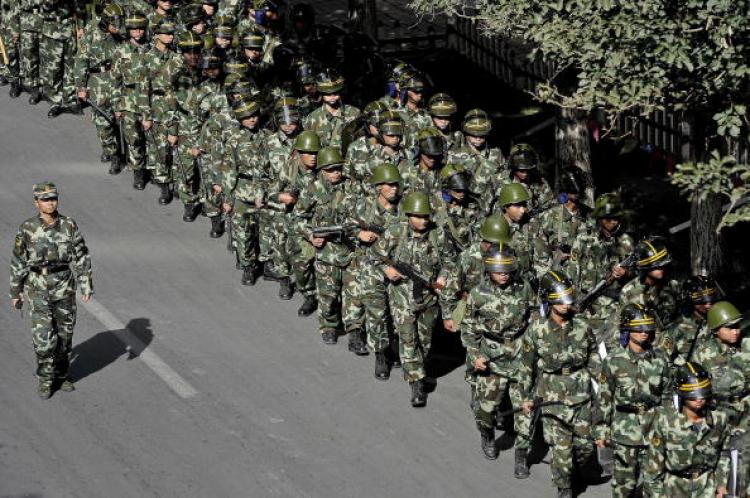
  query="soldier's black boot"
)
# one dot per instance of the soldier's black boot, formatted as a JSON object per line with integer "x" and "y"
{"x": 286, "y": 288}
{"x": 564, "y": 493}
{"x": 44, "y": 391}
{"x": 15, "y": 90}
{"x": 489, "y": 448}
{"x": 249, "y": 275}
{"x": 3, "y": 80}
{"x": 393, "y": 353}
{"x": 191, "y": 212}
{"x": 105, "y": 158}
{"x": 269, "y": 272}
{"x": 329, "y": 336}
{"x": 114, "y": 164}
{"x": 357, "y": 343}
{"x": 55, "y": 111}
{"x": 165, "y": 197}
{"x": 308, "y": 307}
{"x": 418, "y": 395}
{"x": 35, "y": 96}
{"x": 521, "y": 469}
{"x": 382, "y": 367}
{"x": 217, "y": 227}
{"x": 139, "y": 180}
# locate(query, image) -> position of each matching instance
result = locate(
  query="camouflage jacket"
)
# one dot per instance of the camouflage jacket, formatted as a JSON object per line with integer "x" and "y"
{"x": 676, "y": 446}
{"x": 279, "y": 147}
{"x": 370, "y": 212}
{"x": 129, "y": 79}
{"x": 686, "y": 334}
{"x": 495, "y": 321}
{"x": 593, "y": 256}
{"x": 213, "y": 136}
{"x": 413, "y": 122}
{"x": 729, "y": 366}
{"x": 93, "y": 64}
{"x": 38, "y": 245}
{"x": 454, "y": 140}
{"x": 293, "y": 177}
{"x": 365, "y": 154}
{"x": 328, "y": 126}
{"x": 531, "y": 250}
{"x": 487, "y": 168}
{"x": 559, "y": 227}
{"x": 631, "y": 387}
{"x": 184, "y": 81}
{"x": 159, "y": 86}
{"x": 414, "y": 177}
{"x": 542, "y": 197}
{"x": 460, "y": 222}
{"x": 466, "y": 274}
{"x": 203, "y": 101}
{"x": 244, "y": 169}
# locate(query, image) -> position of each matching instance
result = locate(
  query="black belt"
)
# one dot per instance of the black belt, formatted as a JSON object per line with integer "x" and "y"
{"x": 692, "y": 474}
{"x": 565, "y": 370}
{"x": 32, "y": 11}
{"x": 245, "y": 176}
{"x": 100, "y": 69}
{"x": 129, "y": 85}
{"x": 635, "y": 409}
{"x": 47, "y": 269}
{"x": 505, "y": 339}
{"x": 158, "y": 92}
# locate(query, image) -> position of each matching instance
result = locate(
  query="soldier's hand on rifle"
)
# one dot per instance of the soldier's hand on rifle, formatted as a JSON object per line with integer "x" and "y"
{"x": 439, "y": 285}
{"x": 17, "y": 303}
{"x": 449, "y": 325}
{"x": 217, "y": 189}
{"x": 528, "y": 407}
{"x": 317, "y": 242}
{"x": 83, "y": 93}
{"x": 287, "y": 198}
{"x": 392, "y": 274}
{"x": 721, "y": 492}
{"x": 147, "y": 124}
{"x": 118, "y": 114}
{"x": 481, "y": 363}
{"x": 226, "y": 207}
{"x": 195, "y": 151}
{"x": 618, "y": 271}
{"x": 602, "y": 443}
{"x": 172, "y": 140}
{"x": 367, "y": 236}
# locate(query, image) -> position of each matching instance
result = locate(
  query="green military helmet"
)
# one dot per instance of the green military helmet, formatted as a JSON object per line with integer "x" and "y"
{"x": 417, "y": 203}
{"x": 477, "y": 123}
{"x": 374, "y": 111}
{"x": 188, "y": 41}
{"x": 165, "y": 26}
{"x": 651, "y": 253}
{"x": 608, "y": 206}
{"x": 523, "y": 157}
{"x": 495, "y": 229}
{"x": 113, "y": 14}
{"x": 237, "y": 66}
{"x": 556, "y": 288}
{"x": 136, "y": 20}
{"x": 44, "y": 190}
{"x": 191, "y": 15}
{"x": 212, "y": 58}
{"x": 637, "y": 318}
{"x": 442, "y": 105}
{"x": 391, "y": 123}
{"x": 254, "y": 40}
{"x": 236, "y": 83}
{"x": 329, "y": 81}
{"x": 307, "y": 141}
{"x": 431, "y": 142}
{"x": 700, "y": 289}
{"x": 500, "y": 258}
{"x": 692, "y": 381}
{"x": 245, "y": 108}
{"x": 513, "y": 193}
{"x": 723, "y": 314}
{"x": 454, "y": 176}
{"x": 224, "y": 27}
{"x": 412, "y": 81}
{"x": 287, "y": 114}
{"x": 385, "y": 173}
{"x": 329, "y": 158}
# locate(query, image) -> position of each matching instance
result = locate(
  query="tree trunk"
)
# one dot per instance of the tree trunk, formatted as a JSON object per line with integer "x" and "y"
{"x": 573, "y": 147}
{"x": 705, "y": 244}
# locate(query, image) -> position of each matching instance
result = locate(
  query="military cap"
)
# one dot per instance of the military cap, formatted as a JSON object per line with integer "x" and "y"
{"x": 391, "y": 123}
{"x": 136, "y": 20}
{"x": 165, "y": 26}
{"x": 212, "y": 58}
{"x": 45, "y": 190}
{"x": 442, "y": 105}
{"x": 431, "y": 142}
{"x": 246, "y": 108}
{"x": 188, "y": 41}
{"x": 236, "y": 65}
{"x": 477, "y": 123}
{"x": 608, "y": 206}
{"x": 330, "y": 81}
{"x": 254, "y": 40}
{"x": 523, "y": 157}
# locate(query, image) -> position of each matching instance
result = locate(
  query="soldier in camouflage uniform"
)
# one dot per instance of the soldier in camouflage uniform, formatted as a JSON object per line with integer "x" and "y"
{"x": 94, "y": 81}
{"x": 497, "y": 313}
{"x": 160, "y": 108}
{"x": 486, "y": 164}
{"x": 245, "y": 177}
{"x": 309, "y": 97}
{"x": 161, "y": 9}
{"x": 559, "y": 361}
{"x": 456, "y": 210}
{"x": 324, "y": 203}
{"x": 365, "y": 296}
{"x": 725, "y": 355}
{"x": 413, "y": 111}
{"x": 442, "y": 109}
{"x": 420, "y": 244}
{"x": 223, "y": 33}
{"x": 28, "y": 30}
{"x": 359, "y": 149}
{"x": 634, "y": 381}
{"x": 329, "y": 119}
{"x": 262, "y": 15}
{"x": 523, "y": 166}
{"x": 689, "y": 328}
{"x": 10, "y": 33}
{"x": 49, "y": 258}
{"x": 296, "y": 174}
{"x": 57, "y": 48}
{"x": 252, "y": 46}
{"x": 129, "y": 94}
{"x": 685, "y": 453}
{"x": 423, "y": 172}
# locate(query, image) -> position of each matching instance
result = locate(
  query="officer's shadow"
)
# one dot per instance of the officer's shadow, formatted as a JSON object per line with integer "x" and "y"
{"x": 106, "y": 347}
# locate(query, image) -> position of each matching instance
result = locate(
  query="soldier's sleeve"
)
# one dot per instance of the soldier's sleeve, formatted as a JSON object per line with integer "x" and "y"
{"x": 262, "y": 173}
{"x": 605, "y": 402}
{"x": 447, "y": 258}
{"x": 19, "y": 270}
{"x": 594, "y": 365}
{"x": 470, "y": 329}
{"x": 82, "y": 262}
{"x": 527, "y": 369}
{"x": 116, "y": 90}
{"x": 227, "y": 169}
{"x": 384, "y": 245}
{"x": 303, "y": 211}
{"x": 654, "y": 469}
{"x": 723, "y": 466}
{"x": 454, "y": 283}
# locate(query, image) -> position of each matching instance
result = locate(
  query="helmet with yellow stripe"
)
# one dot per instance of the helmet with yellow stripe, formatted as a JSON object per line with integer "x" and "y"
{"x": 652, "y": 253}
{"x": 692, "y": 381}
{"x": 637, "y": 318}
{"x": 556, "y": 288}
{"x": 500, "y": 259}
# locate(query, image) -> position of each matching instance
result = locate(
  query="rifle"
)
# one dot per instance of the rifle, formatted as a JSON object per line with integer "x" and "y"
{"x": 180, "y": 164}
{"x": 100, "y": 112}
{"x": 538, "y": 403}
{"x": 123, "y": 143}
{"x": 333, "y": 230}
{"x": 420, "y": 282}
{"x": 602, "y": 285}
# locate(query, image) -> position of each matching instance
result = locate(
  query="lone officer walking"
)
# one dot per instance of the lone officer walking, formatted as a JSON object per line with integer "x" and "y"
{"x": 49, "y": 255}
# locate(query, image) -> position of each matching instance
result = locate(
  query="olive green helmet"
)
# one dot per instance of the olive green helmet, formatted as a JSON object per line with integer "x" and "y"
{"x": 246, "y": 108}
{"x": 224, "y": 28}
{"x": 513, "y": 193}
{"x": 723, "y": 314}
{"x": 500, "y": 258}
{"x": 329, "y": 82}
{"x": 454, "y": 176}
{"x": 113, "y": 14}
{"x": 307, "y": 141}
{"x": 188, "y": 41}
{"x": 236, "y": 66}
{"x": 165, "y": 26}
{"x": 431, "y": 142}
{"x": 374, "y": 112}
{"x": 417, "y": 203}
{"x": 477, "y": 123}
{"x": 391, "y": 123}
{"x": 651, "y": 253}
{"x": 385, "y": 173}
{"x": 442, "y": 105}
{"x": 192, "y": 14}
{"x": 608, "y": 206}
{"x": 523, "y": 157}
{"x": 329, "y": 158}
{"x": 136, "y": 20}
{"x": 556, "y": 288}
{"x": 495, "y": 229}
{"x": 254, "y": 40}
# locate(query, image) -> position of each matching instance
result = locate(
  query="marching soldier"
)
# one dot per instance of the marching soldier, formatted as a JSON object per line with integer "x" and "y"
{"x": 10, "y": 33}
{"x": 329, "y": 119}
{"x": 442, "y": 109}
{"x": 456, "y": 209}
{"x": 423, "y": 173}
{"x": 49, "y": 260}
{"x": 57, "y": 47}
{"x": 523, "y": 165}
{"x": 687, "y": 331}
{"x": 413, "y": 111}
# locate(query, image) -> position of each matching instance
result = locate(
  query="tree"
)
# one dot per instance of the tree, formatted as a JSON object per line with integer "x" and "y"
{"x": 634, "y": 57}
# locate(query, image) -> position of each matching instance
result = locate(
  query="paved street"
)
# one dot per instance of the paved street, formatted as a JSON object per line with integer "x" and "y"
{"x": 190, "y": 384}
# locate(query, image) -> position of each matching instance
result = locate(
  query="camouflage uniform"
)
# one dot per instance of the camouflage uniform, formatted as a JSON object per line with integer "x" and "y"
{"x": 274, "y": 238}
{"x": 329, "y": 126}
{"x": 631, "y": 386}
{"x": 46, "y": 263}
{"x": 57, "y": 48}
{"x": 683, "y": 459}
{"x": 9, "y": 26}
{"x": 559, "y": 227}
{"x": 558, "y": 365}
{"x": 487, "y": 167}
{"x": 459, "y": 221}
{"x": 415, "y": 177}
{"x": 664, "y": 299}
{"x": 496, "y": 318}
{"x": 687, "y": 333}
{"x": 30, "y": 20}
{"x": 365, "y": 154}
{"x": 533, "y": 256}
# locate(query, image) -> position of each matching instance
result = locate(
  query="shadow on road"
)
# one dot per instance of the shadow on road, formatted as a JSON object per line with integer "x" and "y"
{"x": 446, "y": 355}
{"x": 106, "y": 347}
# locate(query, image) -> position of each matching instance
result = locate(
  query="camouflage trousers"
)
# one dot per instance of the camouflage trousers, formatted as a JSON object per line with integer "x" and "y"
{"x": 568, "y": 438}
{"x": 47, "y": 63}
{"x": 702, "y": 487}
{"x": 12, "y": 70}
{"x": 626, "y": 471}
{"x": 186, "y": 176}
{"x": 209, "y": 198}
{"x": 99, "y": 90}
{"x": 245, "y": 233}
{"x": 132, "y": 130}
{"x": 328, "y": 283}
{"x": 158, "y": 153}
{"x": 52, "y": 324}
{"x": 28, "y": 52}
{"x": 273, "y": 240}
{"x": 302, "y": 259}
{"x": 490, "y": 389}
{"x": 414, "y": 329}
{"x": 366, "y": 304}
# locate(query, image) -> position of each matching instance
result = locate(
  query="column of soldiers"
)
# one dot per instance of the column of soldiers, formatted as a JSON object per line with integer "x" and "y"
{"x": 396, "y": 222}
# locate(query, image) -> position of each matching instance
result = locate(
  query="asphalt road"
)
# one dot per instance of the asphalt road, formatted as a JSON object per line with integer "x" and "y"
{"x": 190, "y": 384}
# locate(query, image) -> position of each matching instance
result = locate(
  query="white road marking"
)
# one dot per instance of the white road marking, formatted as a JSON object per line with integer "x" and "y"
{"x": 179, "y": 385}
